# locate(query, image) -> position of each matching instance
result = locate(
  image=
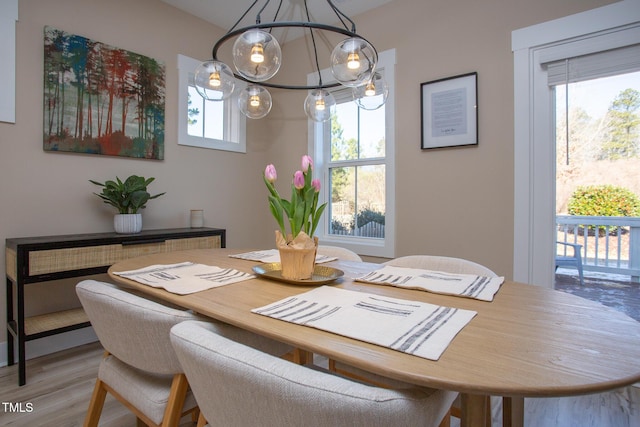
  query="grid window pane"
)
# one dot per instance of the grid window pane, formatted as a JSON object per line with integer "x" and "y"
{"x": 357, "y": 206}
{"x": 205, "y": 118}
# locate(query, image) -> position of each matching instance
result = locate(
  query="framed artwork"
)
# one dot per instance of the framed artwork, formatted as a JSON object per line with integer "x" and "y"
{"x": 449, "y": 112}
{"x": 99, "y": 99}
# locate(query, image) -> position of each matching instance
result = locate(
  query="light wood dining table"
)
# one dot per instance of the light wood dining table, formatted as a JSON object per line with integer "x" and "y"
{"x": 528, "y": 342}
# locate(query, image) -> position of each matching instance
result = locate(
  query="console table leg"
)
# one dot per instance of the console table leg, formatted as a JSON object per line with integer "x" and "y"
{"x": 10, "y": 336}
{"x": 22, "y": 369}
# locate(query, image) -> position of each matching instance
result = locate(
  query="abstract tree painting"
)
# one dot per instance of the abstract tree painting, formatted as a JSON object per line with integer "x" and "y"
{"x": 99, "y": 99}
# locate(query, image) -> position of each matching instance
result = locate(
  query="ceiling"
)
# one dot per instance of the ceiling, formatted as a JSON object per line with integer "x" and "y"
{"x": 225, "y": 13}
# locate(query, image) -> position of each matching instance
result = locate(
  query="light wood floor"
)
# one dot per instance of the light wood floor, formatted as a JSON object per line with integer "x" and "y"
{"x": 59, "y": 387}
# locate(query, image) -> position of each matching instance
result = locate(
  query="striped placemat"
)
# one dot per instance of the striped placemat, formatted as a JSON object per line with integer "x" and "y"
{"x": 412, "y": 327}
{"x": 185, "y": 277}
{"x": 465, "y": 285}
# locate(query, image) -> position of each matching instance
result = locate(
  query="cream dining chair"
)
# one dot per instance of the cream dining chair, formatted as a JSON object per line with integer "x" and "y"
{"x": 426, "y": 262}
{"x": 236, "y": 385}
{"x": 341, "y": 253}
{"x": 139, "y": 367}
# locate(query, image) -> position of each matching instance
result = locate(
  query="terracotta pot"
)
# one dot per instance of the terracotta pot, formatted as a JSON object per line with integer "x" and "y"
{"x": 297, "y": 256}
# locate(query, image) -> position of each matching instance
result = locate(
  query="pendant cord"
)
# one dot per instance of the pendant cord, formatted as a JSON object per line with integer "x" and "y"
{"x": 313, "y": 41}
{"x": 258, "y": 19}
{"x": 566, "y": 107}
{"x": 340, "y": 15}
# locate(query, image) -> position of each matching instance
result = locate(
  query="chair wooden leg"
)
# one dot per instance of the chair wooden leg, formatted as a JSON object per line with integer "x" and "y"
{"x": 95, "y": 406}
{"x": 446, "y": 421}
{"x": 513, "y": 411}
{"x": 177, "y": 395}
{"x": 455, "y": 411}
{"x": 302, "y": 357}
{"x": 202, "y": 421}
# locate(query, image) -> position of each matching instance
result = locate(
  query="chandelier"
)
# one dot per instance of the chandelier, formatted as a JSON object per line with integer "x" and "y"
{"x": 257, "y": 57}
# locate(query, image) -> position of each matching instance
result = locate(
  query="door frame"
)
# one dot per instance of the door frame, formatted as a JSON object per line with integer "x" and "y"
{"x": 607, "y": 27}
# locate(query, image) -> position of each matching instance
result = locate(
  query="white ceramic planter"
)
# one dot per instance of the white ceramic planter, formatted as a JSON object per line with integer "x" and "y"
{"x": 127, "y": 223}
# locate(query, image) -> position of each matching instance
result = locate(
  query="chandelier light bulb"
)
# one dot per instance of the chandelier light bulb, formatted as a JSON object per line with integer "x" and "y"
{"x": 318, "y": 105}
{"x": 214, "y": 80}
{"x": 254, "y": 101}
{"x": 370, "y": 89}
{"x": 353, "y": 61}
{"x": 256, "y": 55}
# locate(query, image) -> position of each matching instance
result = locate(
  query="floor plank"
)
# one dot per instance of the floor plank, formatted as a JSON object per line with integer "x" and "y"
{"x": 59, "y": 387}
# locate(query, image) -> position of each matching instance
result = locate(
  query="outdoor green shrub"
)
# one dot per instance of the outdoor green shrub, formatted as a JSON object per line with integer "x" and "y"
{"x": 338, "y": 228}
{"x": 367, "y": 215}
{"x": 604, "y": 200}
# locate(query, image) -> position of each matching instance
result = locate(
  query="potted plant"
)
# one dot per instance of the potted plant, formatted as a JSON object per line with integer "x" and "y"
{"x": 298, "y": 247}
{"x": 128, "y": 198}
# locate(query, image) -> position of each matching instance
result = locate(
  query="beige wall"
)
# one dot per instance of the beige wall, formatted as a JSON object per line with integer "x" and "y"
{"x": 455, "y": 202}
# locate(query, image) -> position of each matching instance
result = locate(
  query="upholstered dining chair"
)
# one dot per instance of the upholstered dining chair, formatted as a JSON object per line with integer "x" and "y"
{"x": 237, "y": 385}
{"x": 139, "y": 367}
{"x": 441, "y": 263}
{"x": 338, "y": 252}
{"x": 426, "y": 262}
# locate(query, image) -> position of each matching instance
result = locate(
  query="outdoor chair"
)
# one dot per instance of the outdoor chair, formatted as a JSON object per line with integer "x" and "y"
{"x": 236, "y": 385}
{"x": 139, "y": 367}
{"x": 572, "y": 259}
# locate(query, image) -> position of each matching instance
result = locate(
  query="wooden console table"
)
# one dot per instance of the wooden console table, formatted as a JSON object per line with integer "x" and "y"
{"x": 40, "y": 259}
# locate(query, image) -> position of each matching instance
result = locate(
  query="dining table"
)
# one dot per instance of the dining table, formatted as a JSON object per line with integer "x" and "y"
{"x": 529, "y": 341}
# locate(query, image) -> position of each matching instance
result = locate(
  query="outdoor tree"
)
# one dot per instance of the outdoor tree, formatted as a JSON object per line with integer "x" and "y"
{"x": 192, "y": 112}
{"x": 341, "y": 149}
{"x": 624, "y": 127}
{"x": 581, "y": 144}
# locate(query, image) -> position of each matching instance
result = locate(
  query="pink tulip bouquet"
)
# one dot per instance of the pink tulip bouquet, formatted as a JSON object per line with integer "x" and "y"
{"x": 302, "y": 211}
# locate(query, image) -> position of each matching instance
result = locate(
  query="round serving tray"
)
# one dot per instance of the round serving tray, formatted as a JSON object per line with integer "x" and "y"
{"x": 322, "y": 274}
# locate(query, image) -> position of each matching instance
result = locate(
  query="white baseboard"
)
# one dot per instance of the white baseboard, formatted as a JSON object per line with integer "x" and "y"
{"x": 52, "y": 344}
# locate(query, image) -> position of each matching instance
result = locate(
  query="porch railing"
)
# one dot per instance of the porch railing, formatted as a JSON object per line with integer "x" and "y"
{"x": 610, "y": 244}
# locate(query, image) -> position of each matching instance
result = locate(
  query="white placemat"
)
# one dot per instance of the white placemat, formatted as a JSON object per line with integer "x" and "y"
{"x": 272, "y": 255}
{"x": 412, "y": 327}
{"x": 464, "y": 285}
{"x": 185, "y": 277}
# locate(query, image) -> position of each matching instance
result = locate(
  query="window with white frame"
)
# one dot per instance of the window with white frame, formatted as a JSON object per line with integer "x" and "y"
{"x": 203, "y": 123}
{"x": 354, "y": 156}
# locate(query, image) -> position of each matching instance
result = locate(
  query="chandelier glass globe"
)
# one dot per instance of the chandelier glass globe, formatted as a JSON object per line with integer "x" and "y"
{"x": 318, "y": 104}
{"x": 257, "y": 55}
{"x": 353, "y": 61}
{"x": 373, "y": 94}
{"x": 214, "y": 80}
{"x": 254, "y": 101}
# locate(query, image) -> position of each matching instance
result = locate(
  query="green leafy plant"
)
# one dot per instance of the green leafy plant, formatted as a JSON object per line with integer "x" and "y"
{"x": 603, "y": 200}
{"x": 127, "y": 197}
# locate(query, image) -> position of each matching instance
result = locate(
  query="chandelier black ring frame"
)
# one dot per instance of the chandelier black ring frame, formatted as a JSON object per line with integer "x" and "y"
{"x": 284, "y": 24}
